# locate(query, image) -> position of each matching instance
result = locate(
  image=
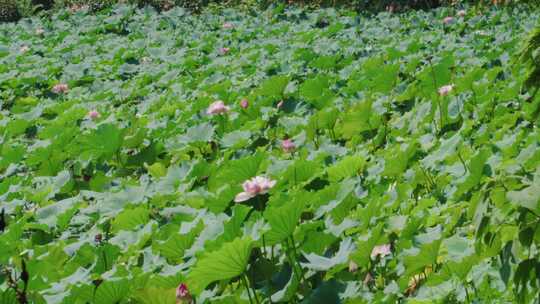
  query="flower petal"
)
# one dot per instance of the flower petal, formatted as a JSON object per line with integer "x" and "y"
{"x": 242, "y": 197}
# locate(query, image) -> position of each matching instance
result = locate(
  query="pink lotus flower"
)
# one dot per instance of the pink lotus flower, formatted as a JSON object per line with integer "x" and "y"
{"x": 167, "y": 5}
{"x": 182, "y": 294}
{"x": 224, "y": 50}
{"x": 368, "y": 279}
{"x": 353, "y": 267}
{"x": 481, "y": 33}
{"x": 227, "y": 26}
{"x": 381, "y": 250}
{"x": 60, "y": 88}
{"x": 446, "y": 89}
{"x": 244, "y": 103}
{"x": 217, "y": 107}
{"x": 288, "y": 145}
{"x": 448, "y": 20}
{"x": 462, "y": 13}
{"x": 24, "y": 49}
{"x": 280, "y": 104}
{"x": 78, "y": 7}
{"x": 253, "y": 187}
{"x": 94, "y": 114}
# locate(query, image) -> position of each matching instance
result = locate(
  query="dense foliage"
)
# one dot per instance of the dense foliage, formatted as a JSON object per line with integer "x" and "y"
{"x": 285, "y": 156}
{"x": 26, "y": 8}
{"x": 13, "y": 10}
{"x": 530, "y": 57}
{"x": 9, "y": 12}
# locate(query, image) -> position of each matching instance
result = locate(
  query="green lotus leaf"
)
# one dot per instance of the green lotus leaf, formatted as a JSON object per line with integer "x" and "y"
{"x": 347, "y": 167}
{"x": 283, "y": 221}
{"x": 528, "y": 197}
{"x": 156, "y": 296}
{"x": 130, "y": 219}
{"x": 110, "y": 292}
{"x": 230, "y": 261}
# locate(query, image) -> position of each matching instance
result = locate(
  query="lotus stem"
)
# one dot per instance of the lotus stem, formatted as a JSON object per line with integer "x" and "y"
{"x": 244, "y": 281}
{"x": 264, "y": 247}
{"x": 289, "y": 254}
{"x": 295, "y": 253}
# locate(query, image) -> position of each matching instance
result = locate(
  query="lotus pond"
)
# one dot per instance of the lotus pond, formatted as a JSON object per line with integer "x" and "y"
{"x": 280, "y": 156}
